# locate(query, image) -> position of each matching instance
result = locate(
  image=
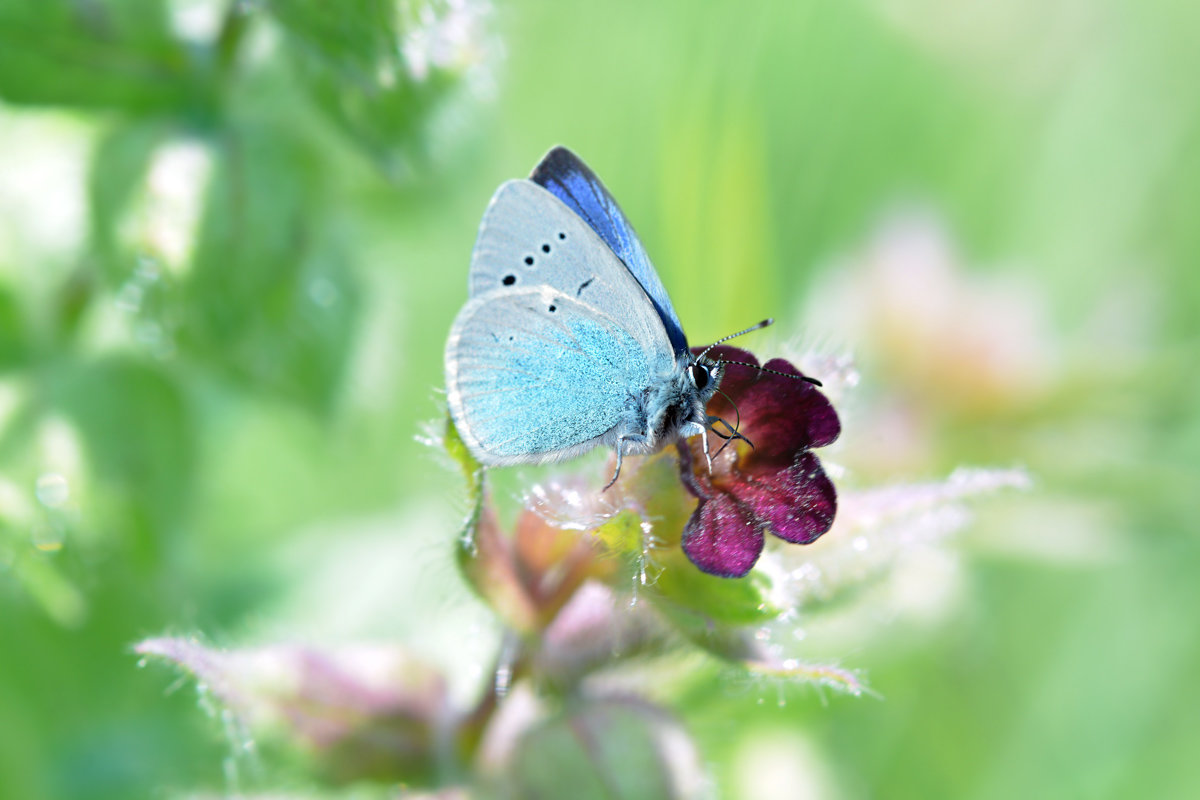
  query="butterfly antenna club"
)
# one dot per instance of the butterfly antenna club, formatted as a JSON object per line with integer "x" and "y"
{"x": 757, "y": 326}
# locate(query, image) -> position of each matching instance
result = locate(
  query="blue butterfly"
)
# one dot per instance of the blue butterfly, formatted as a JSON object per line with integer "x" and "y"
{"x": 568, "y": 339}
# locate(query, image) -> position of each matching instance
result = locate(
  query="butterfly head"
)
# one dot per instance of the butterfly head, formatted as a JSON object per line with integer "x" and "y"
{"x": 702, "y": 374}
{"x": 705, "y": 376}
{"x": 701, "y": 379}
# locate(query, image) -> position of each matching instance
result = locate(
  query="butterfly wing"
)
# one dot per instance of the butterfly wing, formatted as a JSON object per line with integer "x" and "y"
{"x": 534, "y": 375}
{"x": 558, "y": 343}
{"x": 528, "y": 237}
{"x": 564, "y": 175}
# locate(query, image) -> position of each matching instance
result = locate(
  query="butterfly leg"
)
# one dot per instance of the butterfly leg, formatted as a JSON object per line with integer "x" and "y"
{"x": 732, "y": 435}
{"x": 617, "y": 471}
{"x": 634, "y": 443}
{"x": 704, "y": 443}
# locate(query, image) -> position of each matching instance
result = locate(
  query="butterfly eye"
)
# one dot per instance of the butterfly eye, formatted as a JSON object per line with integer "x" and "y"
{"x": 699, "y": 376}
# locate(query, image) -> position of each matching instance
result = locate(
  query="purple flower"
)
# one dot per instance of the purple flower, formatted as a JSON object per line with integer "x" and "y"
{"x": 777, "y": 485}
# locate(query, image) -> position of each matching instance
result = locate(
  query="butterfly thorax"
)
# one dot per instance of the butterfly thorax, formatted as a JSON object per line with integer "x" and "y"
{"x": 675, "y": 405}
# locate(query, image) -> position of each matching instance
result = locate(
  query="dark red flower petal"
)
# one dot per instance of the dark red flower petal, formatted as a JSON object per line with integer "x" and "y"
{"x": 796, "y": 504}
{"x": 736, "y": 380}
{"x": 811, "y": 406}
{"x": 780, "y": 415}
{"x": 721, "y": 538}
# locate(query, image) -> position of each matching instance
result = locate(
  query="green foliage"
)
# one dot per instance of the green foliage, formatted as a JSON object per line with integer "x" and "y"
{"x": 709, "y": 600}
{"x": 274, "y": 308}
{"x": 140, "y": 438}
{"x": 214, "y": 273}
{"x": 117, "y": 173}
{"x": 14, "y": 337}
{"x": 352, "y": 61}
{"x": 113, "y": 54}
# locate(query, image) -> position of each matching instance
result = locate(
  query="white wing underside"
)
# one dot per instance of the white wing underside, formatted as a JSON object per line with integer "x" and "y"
{"x": 538, "y": 367}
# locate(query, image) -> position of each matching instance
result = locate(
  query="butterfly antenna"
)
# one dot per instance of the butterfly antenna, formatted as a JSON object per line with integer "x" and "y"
{"x": 759, "y": 326}
{"x": 813, "y": 381}
{"x": 755, "y": 327}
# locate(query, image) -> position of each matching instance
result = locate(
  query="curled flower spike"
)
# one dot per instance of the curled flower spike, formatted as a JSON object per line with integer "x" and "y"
{"x": 777, "y": 485}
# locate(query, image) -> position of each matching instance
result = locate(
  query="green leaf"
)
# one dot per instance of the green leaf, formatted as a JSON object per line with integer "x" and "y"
{"x": 484, "y": 555}
{"x": 351, "y": 37}
{"x": 15, "y": 346}
{"x": 720, "y": 601}
{"x": 269, "y": 299}
{"x": 104, "y": 53}
{"x": 137, "y": 428}
{"x": 348, "y": 58}
{"x": 118, "y": 168}
{"x": 830, "y": 676}
{"x": 53, "y": 591}
{"x": 456, "y": 448}
{"x": 622, "y": 534}
{"x": 468, "y": 543}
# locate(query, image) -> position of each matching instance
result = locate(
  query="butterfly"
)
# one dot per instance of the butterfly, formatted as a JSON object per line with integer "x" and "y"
{"x": 568, "y": 339}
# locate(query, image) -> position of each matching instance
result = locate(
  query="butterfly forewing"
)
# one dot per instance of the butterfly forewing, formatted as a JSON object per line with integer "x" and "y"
{"x": 534, "y": 375}
{"x": 563, "y": 174}
{"x": 529, "y": 238}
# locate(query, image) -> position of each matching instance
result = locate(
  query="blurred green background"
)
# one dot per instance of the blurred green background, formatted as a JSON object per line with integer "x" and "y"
{"x": 231, "y": 246}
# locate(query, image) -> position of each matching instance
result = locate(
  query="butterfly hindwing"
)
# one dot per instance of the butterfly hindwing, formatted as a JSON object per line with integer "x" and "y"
{"x": 534, "y": 375}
